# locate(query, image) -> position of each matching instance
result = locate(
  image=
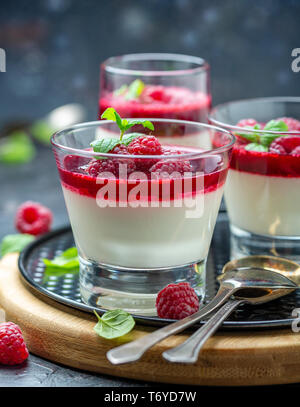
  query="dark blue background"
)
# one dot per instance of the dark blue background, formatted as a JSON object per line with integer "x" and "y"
{"x": 54, "y": 47}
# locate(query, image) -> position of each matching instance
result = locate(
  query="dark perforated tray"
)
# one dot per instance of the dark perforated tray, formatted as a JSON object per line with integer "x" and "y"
{"x": 65, "y": 288}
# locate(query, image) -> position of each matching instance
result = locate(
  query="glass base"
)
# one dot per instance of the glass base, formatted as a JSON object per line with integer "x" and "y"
{"x": 134, "y": 290}
{"x": 244, "y": 243}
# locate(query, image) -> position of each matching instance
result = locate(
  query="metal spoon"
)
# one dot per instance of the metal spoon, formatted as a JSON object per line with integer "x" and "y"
{"x": 188, "y": 351}
{"x": 230, "y": 283}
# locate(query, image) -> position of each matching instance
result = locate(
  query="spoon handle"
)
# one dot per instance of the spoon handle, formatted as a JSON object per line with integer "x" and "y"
{"x": 133, "y": 351}
{"x": 188, "y": 351}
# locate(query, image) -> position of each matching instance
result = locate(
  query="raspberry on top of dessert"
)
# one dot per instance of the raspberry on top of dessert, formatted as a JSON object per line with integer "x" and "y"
{"x": 130, "y": 162}
{"x": 262, "y": 152}
{"x": 142, "y": 100}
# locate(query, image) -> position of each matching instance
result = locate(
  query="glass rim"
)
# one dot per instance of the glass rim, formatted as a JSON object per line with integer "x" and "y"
{"x": 282, "y": 99}
{"x": 92, "y": 154}
{"x": 203, "y": 65}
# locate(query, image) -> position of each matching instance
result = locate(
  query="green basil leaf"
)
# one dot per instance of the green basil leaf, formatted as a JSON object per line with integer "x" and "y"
{"x": 256, "y": 147}
{"x": 114, "y": 324}
{"x": 15, "y": 243}
{"x": 135, "y": 89}
{"x": 104, "y": 145}
{"x": 68, "y": 260}
{"x": 17, "y": 148}
{"x": 127, "y": 138}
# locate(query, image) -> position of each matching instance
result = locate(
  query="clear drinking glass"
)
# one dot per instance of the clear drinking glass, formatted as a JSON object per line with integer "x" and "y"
{"x": 137, "y": 231}
{"x": 262, "y": 192}
{"x": 156, "y": 85}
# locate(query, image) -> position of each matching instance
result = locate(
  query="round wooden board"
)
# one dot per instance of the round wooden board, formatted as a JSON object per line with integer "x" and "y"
{"x": 66, "y": 336}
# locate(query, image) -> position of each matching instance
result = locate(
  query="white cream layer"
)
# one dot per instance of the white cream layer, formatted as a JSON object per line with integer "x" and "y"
{"x": 263, "y": 204}
{"x": 141, "y": 237}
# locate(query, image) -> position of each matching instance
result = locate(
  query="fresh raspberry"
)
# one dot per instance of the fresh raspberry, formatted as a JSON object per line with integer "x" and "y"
{"x": 170, "y": 151}
{"x": 145, "y": 145}
{"x": 155, "y": 93}
{"x": 247, "y": 123}
{"x": 293, "y": 124}
{"x": 167, "y": 167}
{"x": 177, "y": 301}
{"x": 13, "y": 349}
{"x": 96, "y": 167}
{"x": 285, "y": 145}
{"x": 33, "y": 218}
{"x": 120, "y": 149}
{"x": 296, "y": 151}
{"x": 75, "y": 162}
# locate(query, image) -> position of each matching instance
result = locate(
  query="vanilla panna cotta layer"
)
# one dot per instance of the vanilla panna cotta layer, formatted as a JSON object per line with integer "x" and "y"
{"x": 263, "y": 204}
{"x": 142, "y": 237}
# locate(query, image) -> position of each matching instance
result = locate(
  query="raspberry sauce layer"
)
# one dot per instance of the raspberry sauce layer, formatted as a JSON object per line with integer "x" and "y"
{"x": 161, "y": 102}
{"x": 83, "y": 184}
{"x": 271, "y": 164}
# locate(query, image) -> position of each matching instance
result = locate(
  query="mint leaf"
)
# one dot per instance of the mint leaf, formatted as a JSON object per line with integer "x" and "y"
{"x": 135, "y": 89}
{"x": 127, "y": 138}
{"x": 121, "y": 91}
{"x": 17, "y": 149}
{"x": 276, "y": 125}
{"x": 114, "y": 324}
{"x": 253, "y": 137}
{"x": 104, "y": 145}
{"x": 256, "y": 147}
{"x": 273, "y": 125}
{"x": 68, "y": 260}
{"x": 41, "y": 131}
{"x": 15, "y": 243}
{"x": 128, "y": 123}
{"x": 124, "y": 124}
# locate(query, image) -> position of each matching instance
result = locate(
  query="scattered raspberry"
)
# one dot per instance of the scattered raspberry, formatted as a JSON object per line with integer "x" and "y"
{"x": 33, "y": 218}
{"x": 148, "y": 145}
{"x": 13, "y": 349}
{"x": 285, "y": 145}
{"x": 247, "y": 123}
{"x": 293, "y": 124}
{"x": 168, "y": 167}
{"x": 177, "y": 301}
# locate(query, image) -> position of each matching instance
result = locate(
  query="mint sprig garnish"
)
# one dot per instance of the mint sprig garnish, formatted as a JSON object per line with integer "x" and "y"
{"x": 66, "y": 261}
{"x": 114, "y": 324}
{"x": 262, "y": 141}
{"x": 15, "y": 243}
{"x": 132, "y": 91}
{"x": 106, "y": 144}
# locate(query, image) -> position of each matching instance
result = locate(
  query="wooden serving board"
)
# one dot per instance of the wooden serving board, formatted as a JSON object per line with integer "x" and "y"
{"x": 61, "y": 334}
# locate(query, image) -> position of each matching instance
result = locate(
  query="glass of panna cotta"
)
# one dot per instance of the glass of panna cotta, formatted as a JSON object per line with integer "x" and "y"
{"x": 144, "y": 211}
{"x": 262, "y": 193}
{"x": 167, "y": 86}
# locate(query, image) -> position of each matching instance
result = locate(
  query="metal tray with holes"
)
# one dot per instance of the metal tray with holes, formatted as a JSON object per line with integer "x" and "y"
{"x": 65, "y": 288}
